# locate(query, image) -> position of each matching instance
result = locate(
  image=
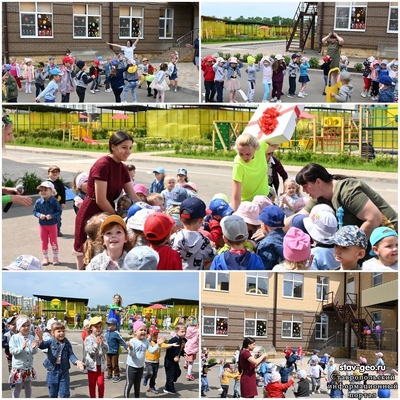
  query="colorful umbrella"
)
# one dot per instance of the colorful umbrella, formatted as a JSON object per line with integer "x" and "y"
{"x": 120, "y": 116}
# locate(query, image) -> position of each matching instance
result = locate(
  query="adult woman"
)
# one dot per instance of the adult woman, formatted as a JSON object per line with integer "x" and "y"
{"x": 362, "y": 205}
{"x": 334, "y": 42}
{"x": 195, "y": 46}
{"x": 247, "y": 366}
{"x": 11, "y": 194}
{"x": 107, "y": 177}
{"x": 250, "y": 169}
{"x": 129, "y": 49}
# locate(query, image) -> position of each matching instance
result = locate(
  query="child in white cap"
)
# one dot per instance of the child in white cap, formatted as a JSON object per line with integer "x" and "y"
{"x": 276, "y": 388}
{"x": 302, "y": 387}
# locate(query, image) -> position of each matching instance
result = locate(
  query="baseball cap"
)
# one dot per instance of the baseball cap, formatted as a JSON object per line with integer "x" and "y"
{"x": 380, "y": 233}
{"x": 40, "y": 64}
{"x": 302, "y": 374}
{"x": 227, "y": 365}
{"x": 370, "y": 59}
{"x": 112, "y": 321}
{"x": 145, "y": 59}
{"x": 134, "y": 208}
{"x": 220, "y": 207}
{"x": 315, "y": 351}
{"x": 272, "y": 216}
{"x": 178, "y": 195}
{"x": 140, "y": 189}
{"x": 51, "y": 58}
{"x": 295, "y": 56}
{"x": 296, "y": 245}
{"x": 182, "y": 171}
{"x": 11, "y": 319}
{"x": 95, "y": 321}
{"x": 80, "y": 64}
{"x": 24, "y": 263}
{"x": 234, "y": 228}
{"x": 221, "y": 196}
{"x": 54, "y": 168}
{"x": 114, "y": 62}
{"x": 113, "y": 218}
{"x": 159, "y": 170}
{"x": 153, "y": 330}
{"x": 379, "y": 354}
{"x": 137, "y": 221}
{"x": 385, "y": 80}
{"x": 67, "y": 59}
{"x": 46, "y": 184}
{"x": 278, "y": 57}
{"x": 195, "y": 207}
{"x": 158, "y": 226}
{"x": 141, "y": 257}
{"x": 275, "y": 377}
{"x": 271, "y": 367}
{"x": 350, "y": 235}
{"x": 282, "y": 364}
{"x": 96, "y": 62}
{"x": 220, "y": 59}
{"x": 56, "y": 71}
{"x": 249, "y": 212}
{"x": 345, "y": 76}
{"x": 386, "y": 62}
{"x": 321, "y": 226}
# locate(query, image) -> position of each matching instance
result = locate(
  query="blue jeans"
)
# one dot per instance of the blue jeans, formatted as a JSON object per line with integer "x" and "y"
{"x": 267, "y": 88}
{"x": 49, "y": 101}
{"x": 58, "y": 383}
{"x": 219, "y": 86}
{"x": 204, "y": 384}
{"x": 131, "y": 86}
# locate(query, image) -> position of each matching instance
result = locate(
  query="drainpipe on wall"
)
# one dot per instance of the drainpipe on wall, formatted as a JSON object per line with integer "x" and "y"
{"x": 5, "y": 25}
{"x": 320, "y": 23}
{"x": 274, "y": 324}
{"x": 111, "y": 22}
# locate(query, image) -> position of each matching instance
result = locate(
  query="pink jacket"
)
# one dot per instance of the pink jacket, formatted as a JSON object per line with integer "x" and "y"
{"x": 192, "y": 344}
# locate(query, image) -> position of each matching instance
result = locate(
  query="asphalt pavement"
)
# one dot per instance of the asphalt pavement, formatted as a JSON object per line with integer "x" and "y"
{"x": 79, "y": 381}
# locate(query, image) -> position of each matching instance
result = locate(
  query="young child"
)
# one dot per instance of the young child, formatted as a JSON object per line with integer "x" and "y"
{"x": 96, "y": 349}
{"x": 232, "y": 83}
{"x": 330, "y": 368}
{"x": 321, "y": 225}
{"x": 326, "y": 66}
{"x": 82, "y": 80}
{"x": 393, "y": 68}
{"x": 40, "y": 78}
{"x": 266, "y": 70}
{"x": 11, "y": 330}
{"x": 278, "y": 68}
{"x": 172, "y": 356}
{"x": 384, "y": 242}
{"x": 47, "y": 209}
{"x": 302, "y": 387}
{"x": 276, "y": 388}
{"x": 135, "y": 226}
{"x": 226, "y": 374}
{"x": 79, "y": 186}
{"x": 350, "y": 246}
{"x": 147, "y": 70}
{"x": 94, "y": 70}
{"x": 375, "y": 79}
{"x": 156, "y": 200}
{"x": 157, "y": 184}
{"x": 386, "y": 89}
{"x": 137, "y": 347}
{"x": 124, "y": 203}
{"x": 141, "y": 192}
{"x": 132, "y": 172}
{"x": 334, "y": 386}
{"x": 23, "y": 347}
{"x": 15, "y": 72}
{"x": 205, "y": 367}
{"x": 54, "y": 177}
{"x": 66, "y": 83}
{"x": 159, "y": 83}
{"x": 114, "y": 340}
{"x": 115, "y": 239}
{"x": 303, "y": 78}
{"x": 344, "y": 63}
{"x": 116, "y": 78}
{"x": 209, "y": 76}
{"x": 169, "y": 182}
{"x": 252, "y": 69}
{"x": 346, "y": 90}
{"x": 293, "y": 68}
{"x": 292, "y": 361}
{"x": 182, "y": 177}
{"x": 157, "y": 230}
{"x": 287, "y": 199}
{"x": 237, "y": 258}
{"x": 367, "y": 76}
{"x": 50, "y": 93}
{"x": 51, "y": 65}
{"x": 219, "y": 78}
{"x": 315, "y": 375}
{"x": 380, "y": 362}
{"x": 107, "y": 70}
{"x": 193, "y": 247}
{"x": 173, "y": 71}
{"x": 132, "y": 78}
{"x": 28, "y": 74}
{"x": 296, "y": 251}
{"x": 191, "y": 345}
{"x": 270, "y": 249}
{"x": 59, "y": 354}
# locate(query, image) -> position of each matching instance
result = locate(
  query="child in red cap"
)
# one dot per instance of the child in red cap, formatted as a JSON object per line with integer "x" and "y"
{"x": 209, "y": 75}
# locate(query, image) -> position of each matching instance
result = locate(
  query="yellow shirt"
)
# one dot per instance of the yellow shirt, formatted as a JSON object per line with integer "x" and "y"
{"x": 225, "y": 377}
{"x": 155, "y": 357}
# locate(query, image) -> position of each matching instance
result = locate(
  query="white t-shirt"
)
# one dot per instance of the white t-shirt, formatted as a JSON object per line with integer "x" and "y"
{"x": 128, "y": 51}
{"x": 376, "y": 266}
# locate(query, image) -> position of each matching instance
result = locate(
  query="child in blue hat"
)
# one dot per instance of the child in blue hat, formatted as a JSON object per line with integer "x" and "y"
{"x": 157, "y": 184}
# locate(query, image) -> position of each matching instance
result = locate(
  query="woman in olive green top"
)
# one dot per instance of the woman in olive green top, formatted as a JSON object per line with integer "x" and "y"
{"x": 362, "y": 205}
{"x": 334, "y": 42}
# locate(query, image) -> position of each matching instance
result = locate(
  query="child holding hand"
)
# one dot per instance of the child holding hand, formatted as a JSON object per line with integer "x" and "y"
{"x": 232, "y": 83}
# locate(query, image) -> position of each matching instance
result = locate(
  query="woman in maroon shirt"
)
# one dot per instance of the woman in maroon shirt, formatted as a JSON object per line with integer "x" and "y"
{"x": 247, "y": 366}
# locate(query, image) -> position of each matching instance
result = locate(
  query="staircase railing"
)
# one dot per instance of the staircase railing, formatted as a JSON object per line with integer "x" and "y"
{"x": 336, "y": 340}
{"x": 188, "y": 38}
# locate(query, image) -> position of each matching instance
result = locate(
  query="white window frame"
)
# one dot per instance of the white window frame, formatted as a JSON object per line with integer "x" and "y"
{"x": 388, "y": 24}
{"x": 286, "y": 278}
{"x": 322, "y": 284}
{"x": 165, "y": 19}
{"x": 376, "y": 275}
{"x": 130, "y": 17}
{"x": 87, "y": 15}
{"x": 216, "y": 273}
{"x": 320, "y": 323}
{"x": 256, "y": 320}
{"x": 292, "y": 321}
{"x": 216, "y": 316}
{"x": 257, "y": 276}
{"x": 36, "y": 13}
{"x": 350, "y": 6}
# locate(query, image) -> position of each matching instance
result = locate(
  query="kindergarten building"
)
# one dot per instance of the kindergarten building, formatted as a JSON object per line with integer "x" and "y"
{"x": 315, "y": 310}
{"x": 43, "y": 29}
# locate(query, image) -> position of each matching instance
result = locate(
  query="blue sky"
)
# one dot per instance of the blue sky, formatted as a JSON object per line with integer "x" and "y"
{"x": 99, "y": 287}
{"x": 248, "y": 9}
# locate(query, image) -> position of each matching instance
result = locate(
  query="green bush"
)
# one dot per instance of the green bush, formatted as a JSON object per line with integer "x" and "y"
{"x": 100, "y": 133}
{"x": 227, "y": 56}
{"x": 237, "y": 55}
{"x": 140, "y": 145}
{"x": 30, "y": 181}
{"x": 358, "y": 67}
{"x": 314, "y": 62}
{"x": 259, "y": 57}
{"x": 8, "y": 182}
{"x": 272, "y": 56}
{"x": 221, "y": 54}
{"x": 287, "y": 59}
{"x": 140, "y": 132}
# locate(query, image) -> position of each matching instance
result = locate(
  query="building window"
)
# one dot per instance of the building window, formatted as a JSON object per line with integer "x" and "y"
{"x": 166, "y": 24}
{"x": 376, "y": 279}
{"x": 215, "y": 321}
{"x": 87, "y": 21}
{"x": 292, "y": 326}
{"x": 36, "y": 20}
{"x": 217, "y": 281}
{"x": 350, "y": 16}
{"x": 377, "y": 319}
{"x": 255, "y": 323}
{"x": 322, "y": 288}
{"x": 321, "y": 327}
{"x": 257, "y": 283}
{"x": 393, "y": 20}
{"x": 130, "y": 22}
{"x": 293, "y": 285}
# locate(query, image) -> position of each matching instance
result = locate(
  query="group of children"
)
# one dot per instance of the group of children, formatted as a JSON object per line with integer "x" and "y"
{"x": 100, "y": 355}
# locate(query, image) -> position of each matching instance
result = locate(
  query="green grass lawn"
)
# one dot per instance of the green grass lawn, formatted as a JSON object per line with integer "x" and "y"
{"x": 239, "y": 39}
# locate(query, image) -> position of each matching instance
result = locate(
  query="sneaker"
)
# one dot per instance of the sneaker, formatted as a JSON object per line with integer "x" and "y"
{"x": 153, "y": 390}
{"x": 12, "y": 386}
{"x": 274, "y": 99}
{"x": 374, "y": 98}
{"x": 265, "y": 101}
{"x": 149, "y": 95}
{"x": 175, "y": 90}
{"x": 363, "y": 94}
{"x": 92, "y": 91}
{"x": 203, "y": 394}
{"x": 190, "y": 377}
{"x": 144, "y": 381}
{"x": 305, "y": 94}
{"x": 97, "y": 90}
{"x": 279, "y": 101}
{"x": 318, "y": 391}
{"x": 56, "y": 261}
{"x": 312, "y": 392}
{"x": 45, "y": 262}
{"x": 220, "y": 390}
{"x": 301, "y": 94}
{"x": 185, "y": 365}
{"x": 170, "y": 391}
{"x": 290, "y": 96}
{"x": 107, "y": 377}
{"x": 59, "y": 234}
{"x": 154, "y": 96}
{"x": 323, "y": 94}
{"x": 139, "y": 87}
{"x": 369, "y": 94}
{"x": 116, "y": 379}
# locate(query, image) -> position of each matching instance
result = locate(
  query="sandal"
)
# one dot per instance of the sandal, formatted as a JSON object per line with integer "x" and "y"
{"x": 45, "y": 262}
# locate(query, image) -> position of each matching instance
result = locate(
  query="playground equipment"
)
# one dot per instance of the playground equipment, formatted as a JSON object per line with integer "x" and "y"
{"x": 225, "y": 134}
{"x": 78, "y": 132}
{"x": 332, "y": 89}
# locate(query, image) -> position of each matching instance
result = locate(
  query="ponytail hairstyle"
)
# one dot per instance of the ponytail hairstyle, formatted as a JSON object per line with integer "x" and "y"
{"x": 312, "y": 172}
{"x": 93, "y": 244}
{"x": 246, "y": 342}
{"x": 275, "y": 66}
